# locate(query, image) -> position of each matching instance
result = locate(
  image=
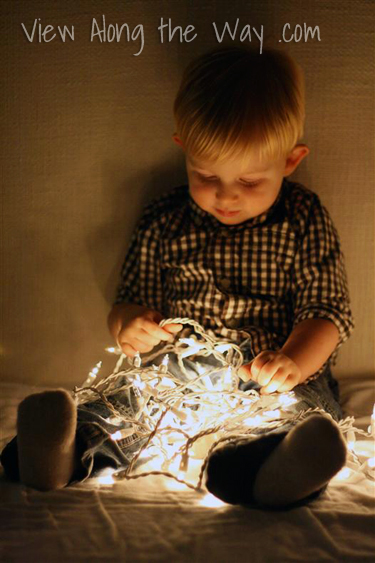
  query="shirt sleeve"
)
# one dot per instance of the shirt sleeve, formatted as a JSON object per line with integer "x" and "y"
{"x": 141, "y": 278}
{"x": 320, "y": 288}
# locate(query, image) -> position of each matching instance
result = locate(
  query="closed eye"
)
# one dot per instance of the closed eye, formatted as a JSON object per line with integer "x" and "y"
{"x": 207, "y": 178}
{"x": 250, "y": 184}
{"x": 211, "y": 179}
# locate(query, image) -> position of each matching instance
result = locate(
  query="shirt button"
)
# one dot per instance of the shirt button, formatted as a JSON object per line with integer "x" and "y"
{"x": 224, "y": 283}
{"x": 224, "y": 232}
{"x": 233, "y": 323}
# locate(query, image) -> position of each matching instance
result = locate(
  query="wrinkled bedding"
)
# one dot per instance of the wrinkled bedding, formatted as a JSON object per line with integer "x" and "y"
{"x": 155, "y": 519}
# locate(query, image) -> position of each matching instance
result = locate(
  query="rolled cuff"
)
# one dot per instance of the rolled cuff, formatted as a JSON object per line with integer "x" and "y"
{"x": 342, "y": 319}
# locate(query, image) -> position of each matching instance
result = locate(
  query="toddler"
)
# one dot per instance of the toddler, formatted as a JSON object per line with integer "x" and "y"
{"x": 250, "y": 255}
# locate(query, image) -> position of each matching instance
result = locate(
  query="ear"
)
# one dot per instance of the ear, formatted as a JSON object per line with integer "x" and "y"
{"x": 294, "y": 158}
{"x": 177, "y": 140}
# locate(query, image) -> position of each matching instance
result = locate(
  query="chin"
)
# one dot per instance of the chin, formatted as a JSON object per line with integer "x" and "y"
{"x": 230, "y": 220}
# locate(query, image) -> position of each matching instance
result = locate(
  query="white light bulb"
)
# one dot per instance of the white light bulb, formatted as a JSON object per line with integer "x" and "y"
{"x": 286, "y": 399}
{"x": 273, "y": 414}
{"x": 371, "y": 428}
{"x": 343, "y": 474}
{"x": 254, "y": 420}
{"x": 164, "y": 364}
{"x": 137, "y": 360}
{"x": 223, "y": 348}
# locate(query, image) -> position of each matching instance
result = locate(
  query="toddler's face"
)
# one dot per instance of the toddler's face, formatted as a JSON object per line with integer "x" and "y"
{"x": 233, "y": 192}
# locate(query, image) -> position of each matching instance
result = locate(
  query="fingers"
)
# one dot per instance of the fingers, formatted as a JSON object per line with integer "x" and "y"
{"x": 245, "y": 372}
{"x": 128, "y": 350}
{"x": 274, "y": 371}
{"x": 263, "y": 367}
{"x": 289, "y": 384}
{"x": 172, "y": 327}
{"x": 276, "y": 382}
{"x": 143, "y": 333}
{"x": 155, "y": 331}
{"x": 131, "y": 346}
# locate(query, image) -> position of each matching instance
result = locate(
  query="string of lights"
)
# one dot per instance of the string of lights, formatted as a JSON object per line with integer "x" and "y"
{"x": 183, "y": 418}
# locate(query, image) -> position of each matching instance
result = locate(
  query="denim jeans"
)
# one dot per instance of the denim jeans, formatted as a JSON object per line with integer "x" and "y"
{"x": 97, "y": 450}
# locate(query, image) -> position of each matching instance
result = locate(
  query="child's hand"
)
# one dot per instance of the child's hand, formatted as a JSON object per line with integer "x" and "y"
{"x": 273, "y": 371}
{"x": 142, "y": 332}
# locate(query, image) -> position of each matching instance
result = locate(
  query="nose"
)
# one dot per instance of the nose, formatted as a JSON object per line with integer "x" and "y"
{"x": 226, "y": 195}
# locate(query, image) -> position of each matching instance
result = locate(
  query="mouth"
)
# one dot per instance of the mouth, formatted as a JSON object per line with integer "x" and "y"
{"x": 226, "y": 213}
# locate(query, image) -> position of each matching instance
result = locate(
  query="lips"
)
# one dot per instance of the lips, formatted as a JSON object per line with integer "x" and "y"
{"x": 226, "y": 213}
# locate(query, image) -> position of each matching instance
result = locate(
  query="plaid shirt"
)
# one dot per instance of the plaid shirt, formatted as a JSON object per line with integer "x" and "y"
{"x": 254, "y": 281}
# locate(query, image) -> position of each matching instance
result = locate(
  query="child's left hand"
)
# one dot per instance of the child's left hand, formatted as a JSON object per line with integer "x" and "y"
{"x": 273, "y": 371}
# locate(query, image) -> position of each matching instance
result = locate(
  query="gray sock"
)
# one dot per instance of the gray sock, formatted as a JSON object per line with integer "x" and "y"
{"x": 46, "y": 427}
{"x": 308, "y": 457}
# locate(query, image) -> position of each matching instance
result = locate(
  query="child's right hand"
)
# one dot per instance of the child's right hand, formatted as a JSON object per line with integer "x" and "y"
{"x": 140, "y": 330}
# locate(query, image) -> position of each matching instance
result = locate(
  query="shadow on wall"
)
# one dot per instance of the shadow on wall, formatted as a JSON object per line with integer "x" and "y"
{"x": 108, "y": 243}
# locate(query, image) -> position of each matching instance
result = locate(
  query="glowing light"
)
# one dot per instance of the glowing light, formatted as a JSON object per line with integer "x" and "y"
{"x": 181, "y": 475}
{"x": 197, "y": 413}
{"x": 343, "y": 474}
{"x": 286, "y": 399}
{"x": 96, "y": 369}
{"x": 200, "y": 447}
{"x": 139, "y": 385}
{"x": 137, "y": 360}
{"x": 194, "y": 347}
{"x": 254, "y": 420}
{"x": 209, "y": 501}
{"x": 188, "y": 341}
{"x": 164, "y": 364}
{"x": 223, "y": 348}
{"x": 361, "y": 452}
{"x": 208, "y": 383}
{"x": 273, "y": 414}
{"x": 226, "y": 383}
{"x": 168, "y": 420}
{"x": 92, "y": 375}
{"x": 114, "y": 350}
{"x": 167, "y": 382}
{"x": 106, "y": 478}
{"x": 206, "y": 379}
{"x": 173, "y": 485}
{"x": 119, "y": 434}
{"x": 371, "y": 428}
{"x": 180, "y": 414}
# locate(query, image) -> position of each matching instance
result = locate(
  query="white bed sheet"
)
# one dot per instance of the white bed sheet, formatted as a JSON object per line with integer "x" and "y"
{"x": 149, "y": 520}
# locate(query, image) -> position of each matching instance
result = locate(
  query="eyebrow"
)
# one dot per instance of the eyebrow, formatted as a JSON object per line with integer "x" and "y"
{"x": 197, "y": 169}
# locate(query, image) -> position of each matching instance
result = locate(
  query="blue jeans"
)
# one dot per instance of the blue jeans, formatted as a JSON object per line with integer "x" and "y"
{"x": 97, "y": 450}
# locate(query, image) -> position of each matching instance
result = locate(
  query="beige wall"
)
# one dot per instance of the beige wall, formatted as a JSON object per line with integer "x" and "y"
{"x": 87, "y": 140}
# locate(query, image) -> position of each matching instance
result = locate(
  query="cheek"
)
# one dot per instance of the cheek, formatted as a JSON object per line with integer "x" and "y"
{"x": 262, "y": 197}
{"x": 200, "y": 193}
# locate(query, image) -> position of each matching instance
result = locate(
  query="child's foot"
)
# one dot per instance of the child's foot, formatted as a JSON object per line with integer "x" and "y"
{"x": 278, "y": 469}
{"x": 308, "y": 457}
{"x": 46, "y": 427}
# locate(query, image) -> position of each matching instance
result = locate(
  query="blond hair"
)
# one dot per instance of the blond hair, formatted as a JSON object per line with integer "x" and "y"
{"x": 233, "y": 102}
